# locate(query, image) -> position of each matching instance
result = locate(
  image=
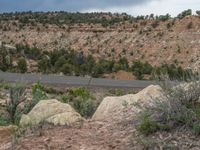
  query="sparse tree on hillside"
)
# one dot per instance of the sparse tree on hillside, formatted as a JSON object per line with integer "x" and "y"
{"x": 185, "y": 13}
{"x": 198, "y": 12}
{"x": 44, "y": 64}
{"x": 22, "y": 65}
{"x": 190, "y": 25}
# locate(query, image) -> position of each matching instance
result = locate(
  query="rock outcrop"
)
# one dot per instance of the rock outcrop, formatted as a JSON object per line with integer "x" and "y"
{"x": 53, "y": 112}
{"x": 113, "y": 107}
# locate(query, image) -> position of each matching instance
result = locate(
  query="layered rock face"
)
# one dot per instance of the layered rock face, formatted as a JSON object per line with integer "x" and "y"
{"x": 53, "y": 112}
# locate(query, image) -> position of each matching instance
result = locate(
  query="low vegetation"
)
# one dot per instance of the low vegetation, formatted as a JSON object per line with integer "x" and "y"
{"x": 82, "y": 101}
{"x": 61, "y": 18}
{"x": 17, "y": 96}
{"x": 38, "y": 93}
{"x": 70, "y": 62}
{"x": 178, "y": 107}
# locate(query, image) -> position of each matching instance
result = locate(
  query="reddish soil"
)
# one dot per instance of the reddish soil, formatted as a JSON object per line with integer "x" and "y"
{"x": 90, "y": 136}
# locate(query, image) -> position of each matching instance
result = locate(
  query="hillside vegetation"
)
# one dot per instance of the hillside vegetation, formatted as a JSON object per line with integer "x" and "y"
{"x": 113, "y": 41}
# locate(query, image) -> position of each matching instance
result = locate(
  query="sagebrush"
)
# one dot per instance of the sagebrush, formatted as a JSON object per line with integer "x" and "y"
{"x": 179, "y": 106}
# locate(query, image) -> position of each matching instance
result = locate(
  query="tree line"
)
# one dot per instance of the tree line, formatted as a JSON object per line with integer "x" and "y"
{"x": 70, "y": 62}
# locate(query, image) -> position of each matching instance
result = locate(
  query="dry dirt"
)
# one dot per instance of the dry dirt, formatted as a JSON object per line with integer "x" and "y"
{"x": 91, "y": 135}
{"x": 105, "y": 136}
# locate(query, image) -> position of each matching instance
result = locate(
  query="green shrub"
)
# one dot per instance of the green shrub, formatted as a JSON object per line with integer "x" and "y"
{"x": 44, "y": 64}
{"x": 5, "y": 59}
{"x": 31, "y": 53}
{"x": 82, "y": 101}
{"x": 198, "y": 12}
{"x": 139, "y": 69}
{"x": 38, "y": 93}
{"x": 4, "y": 121}
{"x": 22, "y": 65}
{"x": 67, "y": 69}
{"x": 147, "y": 125}
{"x": 196, "y": 128}
{"x": 16, "y": 97}
{"x": 184, "y": 14}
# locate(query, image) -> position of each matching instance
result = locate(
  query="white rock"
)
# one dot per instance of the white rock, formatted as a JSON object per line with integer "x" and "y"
{"x": 112, "y": 107}
{"x": 51, "y": 111}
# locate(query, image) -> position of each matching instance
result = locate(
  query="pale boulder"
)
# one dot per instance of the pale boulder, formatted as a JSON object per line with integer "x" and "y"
{"x": 53, "y": 112}
{"x": 113, "y": 107}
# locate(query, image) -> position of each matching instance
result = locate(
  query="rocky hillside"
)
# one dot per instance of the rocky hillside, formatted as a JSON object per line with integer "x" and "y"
{"x": 153, "y": 40}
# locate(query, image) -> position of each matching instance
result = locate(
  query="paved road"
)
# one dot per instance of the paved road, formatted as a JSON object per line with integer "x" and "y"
{"x": 72, "y": 81}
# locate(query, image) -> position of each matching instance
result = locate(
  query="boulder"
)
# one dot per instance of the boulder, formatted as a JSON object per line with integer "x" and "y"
{"x": 113, "y": 107}
{"x": 53, "y": 112}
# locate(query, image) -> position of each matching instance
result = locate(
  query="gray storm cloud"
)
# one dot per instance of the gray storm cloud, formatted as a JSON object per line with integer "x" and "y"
{"x": 133, "y": 7}
{"x": 67, "y": 5}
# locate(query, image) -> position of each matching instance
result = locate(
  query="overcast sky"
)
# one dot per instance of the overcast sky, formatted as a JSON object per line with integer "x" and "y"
{"x": 133, "y": 7}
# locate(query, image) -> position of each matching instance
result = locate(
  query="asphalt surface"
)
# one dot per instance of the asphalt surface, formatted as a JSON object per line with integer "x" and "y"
{"x": 72, "y": 81}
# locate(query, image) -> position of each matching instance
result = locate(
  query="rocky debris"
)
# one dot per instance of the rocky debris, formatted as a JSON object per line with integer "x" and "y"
{"x": 53, "y": 112}
{"x": 6, "y": 135}
{"x": 113, "y": 107}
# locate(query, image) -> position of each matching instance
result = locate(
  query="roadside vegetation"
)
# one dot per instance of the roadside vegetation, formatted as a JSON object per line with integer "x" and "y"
{"x": 70, "y": 62}
{"x": 81, "y": 99}
{"x": 17, "y": 96}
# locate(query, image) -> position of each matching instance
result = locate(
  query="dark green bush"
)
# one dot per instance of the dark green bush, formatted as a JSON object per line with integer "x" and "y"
{"x": 4, "y": 121}
{"x": 22, "y": 65}
{"x": 5, "y": 59}
{"x": 44, "y": 64}
{"x": 198, "y": 12}
{"x": 184, "y": 14}
{"x": 67, "y": 69}
{"x": 139, "y": 69}
{"x": 70, "y": 62}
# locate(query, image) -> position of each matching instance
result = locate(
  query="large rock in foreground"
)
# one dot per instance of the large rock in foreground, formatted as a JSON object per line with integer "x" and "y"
{"x": 114, "y": 107}
{"x": 53, "y": 112}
